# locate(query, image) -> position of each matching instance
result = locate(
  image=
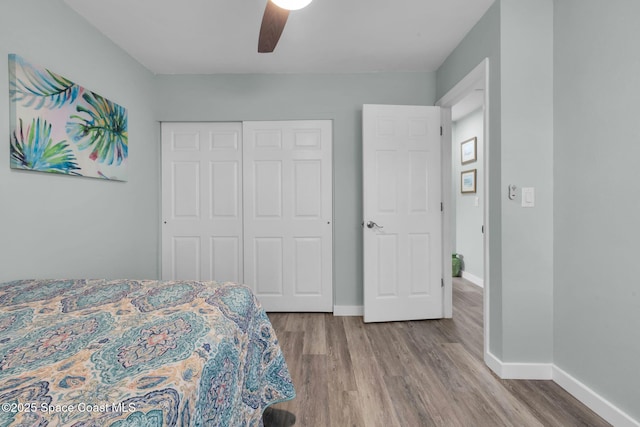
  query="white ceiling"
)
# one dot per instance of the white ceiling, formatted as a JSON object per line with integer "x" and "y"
{"x": 328, "y": 36}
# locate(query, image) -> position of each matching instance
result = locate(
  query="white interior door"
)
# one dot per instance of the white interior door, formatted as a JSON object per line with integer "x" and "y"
{"x": 202, "y": 201}
{"x": 288, "y": 214}
{"x": 402, "y": 213}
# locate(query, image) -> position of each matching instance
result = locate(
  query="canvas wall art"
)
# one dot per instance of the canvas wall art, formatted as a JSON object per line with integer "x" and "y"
{"x": 61, "y": 127}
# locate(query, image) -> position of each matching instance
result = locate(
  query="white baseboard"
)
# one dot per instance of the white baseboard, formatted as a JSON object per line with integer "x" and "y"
{"x": 473, "y": 279}
{"x": 348, "y": 310}
{"x": 527, "y": 371}
{"x": 493, "y": 363}
{"x": 549, "y": 371}
{"x": 519, "y": 371}
{"x": 593, "y": 400}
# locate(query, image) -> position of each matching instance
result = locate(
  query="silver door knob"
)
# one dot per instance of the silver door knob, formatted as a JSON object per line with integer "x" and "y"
{"x": 372, "y": 224}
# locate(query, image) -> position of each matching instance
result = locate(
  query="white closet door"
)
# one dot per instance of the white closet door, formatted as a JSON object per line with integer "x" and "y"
{"x": 202, "y": 201}
{"x": 288, "y": 214}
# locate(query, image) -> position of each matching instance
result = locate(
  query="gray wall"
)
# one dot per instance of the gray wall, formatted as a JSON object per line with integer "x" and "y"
{"x": 560, "y": 118}
{"x": 469, "y": 240}
{"x": 517, "y": 37}
{"x": 338, "y": 97}
{"x": 596, "y": 204}
{"x": 483, "y": 41}
{"x": 61, "y": 226}
{"x": 527, "y": 161}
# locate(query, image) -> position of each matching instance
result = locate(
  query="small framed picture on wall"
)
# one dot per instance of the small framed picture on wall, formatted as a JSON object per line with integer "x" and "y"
{"x": 468, "y": 181}
{"x": 468, "y": 151}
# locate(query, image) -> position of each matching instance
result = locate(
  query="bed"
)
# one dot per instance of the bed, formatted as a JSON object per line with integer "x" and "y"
{"x": 136, "y": 353}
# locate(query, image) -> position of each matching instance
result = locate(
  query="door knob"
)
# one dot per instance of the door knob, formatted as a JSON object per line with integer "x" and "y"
{"x": 372, "y": 224}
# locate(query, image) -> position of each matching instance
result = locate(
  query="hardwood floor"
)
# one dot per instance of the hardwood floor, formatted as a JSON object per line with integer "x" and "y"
{"x": 423, "y": 373}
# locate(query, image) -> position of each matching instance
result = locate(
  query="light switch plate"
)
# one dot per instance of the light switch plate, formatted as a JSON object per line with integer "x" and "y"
{"x": 528, "y": 197}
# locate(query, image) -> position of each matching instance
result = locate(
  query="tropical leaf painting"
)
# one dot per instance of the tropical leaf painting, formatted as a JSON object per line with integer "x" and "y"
{"x": 32, "y": 148}
{"x": 59, "y": 126}
{"x": 102, "y": 127}
{"x": 37, "y": 88}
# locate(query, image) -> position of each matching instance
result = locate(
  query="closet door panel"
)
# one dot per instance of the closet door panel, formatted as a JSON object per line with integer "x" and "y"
{"x": 202, "y": 201}
{"x": 288, "y": 199}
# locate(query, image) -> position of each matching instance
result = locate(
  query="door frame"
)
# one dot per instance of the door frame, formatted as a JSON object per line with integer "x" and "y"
{"x": 453, "y": 96}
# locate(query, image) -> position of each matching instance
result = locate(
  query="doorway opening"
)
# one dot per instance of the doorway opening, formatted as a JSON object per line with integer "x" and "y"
{"x": 467, "y": 192}
{"x": 465, "y": 119}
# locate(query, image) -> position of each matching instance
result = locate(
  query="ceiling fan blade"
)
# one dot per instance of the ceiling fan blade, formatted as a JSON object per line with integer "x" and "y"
{"x": 273, "y": 22}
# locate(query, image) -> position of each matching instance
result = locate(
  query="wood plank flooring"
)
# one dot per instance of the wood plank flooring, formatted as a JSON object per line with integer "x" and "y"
{"x": 405, "y": 374}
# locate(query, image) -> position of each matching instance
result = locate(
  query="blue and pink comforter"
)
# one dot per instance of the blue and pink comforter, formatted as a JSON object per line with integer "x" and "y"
{"x": 136, "y": 353}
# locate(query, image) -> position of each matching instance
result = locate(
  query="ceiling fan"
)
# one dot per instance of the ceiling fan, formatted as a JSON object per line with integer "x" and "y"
{"x": 275, "y": 17}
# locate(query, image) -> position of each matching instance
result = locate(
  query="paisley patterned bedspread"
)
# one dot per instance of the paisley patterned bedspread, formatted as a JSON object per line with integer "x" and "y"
{"x": 136, "y": 353}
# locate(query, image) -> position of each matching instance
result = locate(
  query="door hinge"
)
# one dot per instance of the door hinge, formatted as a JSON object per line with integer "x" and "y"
{"x": 483, "y": 229}
{"x": 441, "y": 207}
{"x": 440, "y": 130}
{"x": 442, "y": 283}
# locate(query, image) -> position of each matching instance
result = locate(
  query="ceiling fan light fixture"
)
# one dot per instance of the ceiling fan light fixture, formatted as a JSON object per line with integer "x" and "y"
{"x": 291, "y": 4}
